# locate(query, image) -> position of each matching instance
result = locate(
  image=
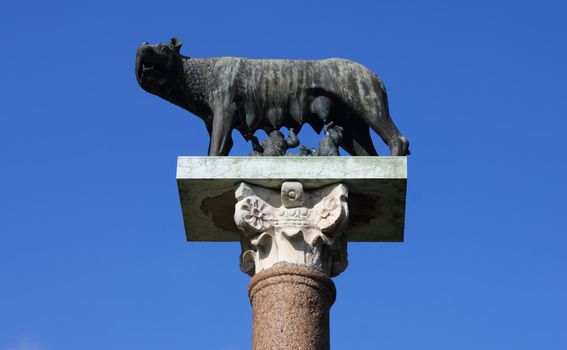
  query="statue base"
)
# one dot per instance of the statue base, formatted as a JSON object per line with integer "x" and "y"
{"x": 377, "y": 191}
{"x": 293, "y": 217}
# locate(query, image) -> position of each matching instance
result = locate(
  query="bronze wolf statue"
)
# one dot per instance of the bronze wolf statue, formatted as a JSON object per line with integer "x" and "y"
{"x": 247, "y": 95}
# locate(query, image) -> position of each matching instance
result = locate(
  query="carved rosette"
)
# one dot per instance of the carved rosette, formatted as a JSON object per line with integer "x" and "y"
{"x": 292, "y": 226}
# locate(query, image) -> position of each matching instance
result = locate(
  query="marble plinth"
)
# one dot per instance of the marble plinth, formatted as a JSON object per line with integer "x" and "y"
{"x": 376, "y": 185}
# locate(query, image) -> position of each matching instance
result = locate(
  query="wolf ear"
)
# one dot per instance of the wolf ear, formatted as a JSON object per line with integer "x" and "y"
{"x": 176, "y": 44}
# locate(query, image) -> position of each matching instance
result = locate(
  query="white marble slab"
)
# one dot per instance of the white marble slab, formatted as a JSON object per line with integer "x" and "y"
{"x": 377, "y": 191}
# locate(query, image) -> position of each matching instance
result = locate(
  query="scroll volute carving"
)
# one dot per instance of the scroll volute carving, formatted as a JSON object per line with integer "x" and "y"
{"x": 292, "y": 226}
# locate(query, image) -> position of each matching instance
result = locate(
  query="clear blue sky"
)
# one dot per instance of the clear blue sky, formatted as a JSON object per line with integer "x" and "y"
{"x": 92, "y": 247}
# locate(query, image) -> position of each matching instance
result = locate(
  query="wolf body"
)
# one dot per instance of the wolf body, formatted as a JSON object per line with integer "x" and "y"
{"x": 247, "y": 95}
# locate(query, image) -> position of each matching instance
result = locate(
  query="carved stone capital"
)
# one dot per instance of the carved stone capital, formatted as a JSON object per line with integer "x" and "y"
{"x": 292, "y": 226}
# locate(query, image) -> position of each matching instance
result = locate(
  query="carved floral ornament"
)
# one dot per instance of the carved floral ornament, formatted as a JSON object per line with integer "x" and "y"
{"x": 292, "y": 226}
{"x": 254, "y": 214}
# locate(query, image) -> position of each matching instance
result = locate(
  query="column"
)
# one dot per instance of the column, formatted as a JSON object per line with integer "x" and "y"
{"x": 292, "y": 244}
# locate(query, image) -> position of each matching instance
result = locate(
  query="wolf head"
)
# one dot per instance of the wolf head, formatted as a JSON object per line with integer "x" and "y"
{"x": 158, "y": 66}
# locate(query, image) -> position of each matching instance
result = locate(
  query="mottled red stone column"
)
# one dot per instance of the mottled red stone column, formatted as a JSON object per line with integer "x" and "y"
{"x": 291, "y": 305}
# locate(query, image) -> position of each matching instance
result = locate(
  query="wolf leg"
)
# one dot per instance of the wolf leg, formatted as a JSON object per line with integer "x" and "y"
{"x": 221, "y": 136}
{"x": 356, "y": 138}
{"x": 378, "y": 119}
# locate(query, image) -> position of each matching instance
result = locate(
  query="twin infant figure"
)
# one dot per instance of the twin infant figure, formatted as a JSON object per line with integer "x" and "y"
{"x": 277, "y": 145}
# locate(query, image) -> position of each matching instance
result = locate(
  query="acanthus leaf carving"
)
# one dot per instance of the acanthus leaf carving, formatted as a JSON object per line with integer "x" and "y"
{"x": 292, "y": 226}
